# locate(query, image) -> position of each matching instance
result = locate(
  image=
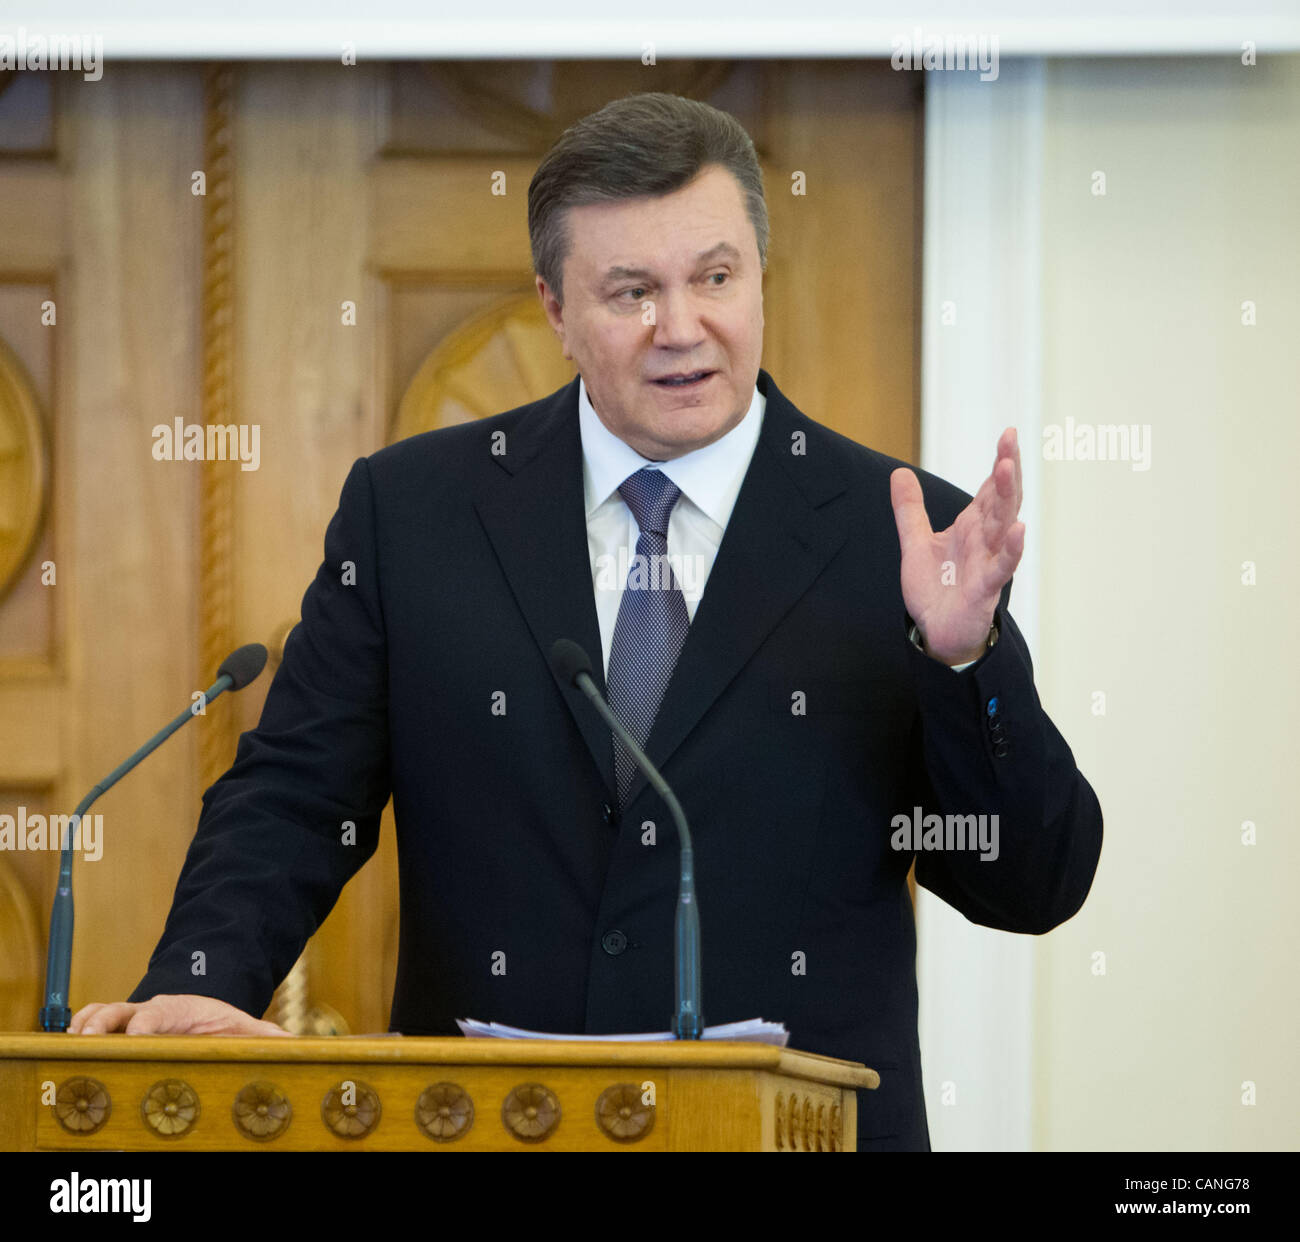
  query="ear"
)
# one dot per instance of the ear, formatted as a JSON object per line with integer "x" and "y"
{"x": 551, "y": 305}
{"x": 554, "y": 312}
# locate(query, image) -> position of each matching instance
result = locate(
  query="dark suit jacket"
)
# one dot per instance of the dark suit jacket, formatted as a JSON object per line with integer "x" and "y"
{"x": 467, "y": 563}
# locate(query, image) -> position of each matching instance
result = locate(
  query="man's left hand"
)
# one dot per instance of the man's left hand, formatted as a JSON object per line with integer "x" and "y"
{"x": 952, "y": 580}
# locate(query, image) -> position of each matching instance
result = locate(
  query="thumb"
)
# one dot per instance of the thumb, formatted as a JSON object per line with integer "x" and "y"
{"x": 270, "y": 1028}
{"x": 909, "y": 507}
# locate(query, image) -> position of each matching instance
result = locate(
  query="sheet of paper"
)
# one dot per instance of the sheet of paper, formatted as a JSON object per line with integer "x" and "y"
{"x": 754, "y": 1031}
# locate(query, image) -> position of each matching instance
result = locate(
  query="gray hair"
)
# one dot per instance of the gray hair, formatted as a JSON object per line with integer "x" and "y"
{"x": 651, "y": 143}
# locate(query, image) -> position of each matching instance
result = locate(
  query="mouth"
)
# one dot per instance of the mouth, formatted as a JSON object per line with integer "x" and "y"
{"x": 684, "y": 380}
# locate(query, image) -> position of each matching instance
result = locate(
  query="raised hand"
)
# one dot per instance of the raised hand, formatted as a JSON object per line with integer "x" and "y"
{"x": 951, "y": 580}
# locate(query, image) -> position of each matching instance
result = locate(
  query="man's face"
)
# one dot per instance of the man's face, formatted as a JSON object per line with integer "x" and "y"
{"x": 693, "y": 257}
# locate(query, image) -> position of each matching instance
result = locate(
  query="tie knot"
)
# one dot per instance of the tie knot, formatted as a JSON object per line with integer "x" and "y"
{"x": 650, "y": 494}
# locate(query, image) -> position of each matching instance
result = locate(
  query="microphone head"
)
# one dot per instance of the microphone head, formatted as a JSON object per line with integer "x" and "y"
{"x": 568, "y": 660}
{"x": 243, "y": 665}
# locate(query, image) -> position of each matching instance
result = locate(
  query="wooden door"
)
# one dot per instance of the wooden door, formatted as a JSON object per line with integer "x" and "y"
{"x": 316, "y": 251}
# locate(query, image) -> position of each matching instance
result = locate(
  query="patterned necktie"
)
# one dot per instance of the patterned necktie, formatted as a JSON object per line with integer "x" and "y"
{"x": 652, "y": 620}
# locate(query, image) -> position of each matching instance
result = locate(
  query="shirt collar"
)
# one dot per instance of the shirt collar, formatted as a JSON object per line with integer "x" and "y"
{"x": 710, "y": 477}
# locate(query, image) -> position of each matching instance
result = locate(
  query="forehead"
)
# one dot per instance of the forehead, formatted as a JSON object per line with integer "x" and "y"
{"x": 702, "y": 221}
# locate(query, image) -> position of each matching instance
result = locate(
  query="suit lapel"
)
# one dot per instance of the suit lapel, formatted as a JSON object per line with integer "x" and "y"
{"x": 776, "y": 543}
{"x": 537, "y": 522}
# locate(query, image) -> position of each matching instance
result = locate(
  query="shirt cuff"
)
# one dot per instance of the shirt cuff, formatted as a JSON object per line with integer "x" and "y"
{"x": 915, "y": 636}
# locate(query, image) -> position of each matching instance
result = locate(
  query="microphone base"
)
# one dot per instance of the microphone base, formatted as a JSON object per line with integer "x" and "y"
{"x": 55, "y": 1018}
{"x": 690, "y": 1026}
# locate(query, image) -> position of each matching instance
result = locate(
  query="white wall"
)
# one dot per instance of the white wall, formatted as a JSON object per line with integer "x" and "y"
{"x": 1140, "y": 596}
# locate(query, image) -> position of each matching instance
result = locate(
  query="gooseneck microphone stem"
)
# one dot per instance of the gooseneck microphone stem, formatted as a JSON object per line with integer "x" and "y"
{"x": 688, "y": 1020}
{"x": 237, "y": 671}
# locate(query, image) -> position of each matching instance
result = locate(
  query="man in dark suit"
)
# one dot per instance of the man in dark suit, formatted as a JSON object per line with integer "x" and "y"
{"x": 820, "y": 671}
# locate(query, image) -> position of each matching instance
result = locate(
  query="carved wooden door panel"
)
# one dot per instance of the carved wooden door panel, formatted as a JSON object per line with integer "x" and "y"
{"x": 337, "y": 256}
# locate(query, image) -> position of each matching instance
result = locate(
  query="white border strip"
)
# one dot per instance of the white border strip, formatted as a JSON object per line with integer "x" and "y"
{"x": 524, "y": 36}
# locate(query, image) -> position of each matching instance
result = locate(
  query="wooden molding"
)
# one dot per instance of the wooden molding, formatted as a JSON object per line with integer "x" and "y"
{"x": 217, "y": 484}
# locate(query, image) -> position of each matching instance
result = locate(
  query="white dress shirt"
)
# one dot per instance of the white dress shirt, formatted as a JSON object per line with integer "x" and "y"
{"x": 709, "y": 479}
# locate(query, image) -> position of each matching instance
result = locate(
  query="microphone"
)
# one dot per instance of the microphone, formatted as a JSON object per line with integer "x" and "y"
{"x": 241, "y": 666}
{"x": 573, "y": 667}
{"x": 236, "y": 671}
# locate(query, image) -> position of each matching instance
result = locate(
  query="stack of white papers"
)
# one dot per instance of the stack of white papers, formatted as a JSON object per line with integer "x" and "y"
{"x": 755, "y": 1031}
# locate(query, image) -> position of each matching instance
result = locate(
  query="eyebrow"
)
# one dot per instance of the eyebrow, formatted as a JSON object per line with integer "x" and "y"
{"x": 720, "y": 251}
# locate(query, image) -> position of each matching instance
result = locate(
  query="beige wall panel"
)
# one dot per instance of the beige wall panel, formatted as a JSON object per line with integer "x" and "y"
{"x": 1142, "y": 297}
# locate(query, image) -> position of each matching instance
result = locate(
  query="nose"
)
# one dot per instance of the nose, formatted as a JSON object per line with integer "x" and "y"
{"x": 677, "y": 322}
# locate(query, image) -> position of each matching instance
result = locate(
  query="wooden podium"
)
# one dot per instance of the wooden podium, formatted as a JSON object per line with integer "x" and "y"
{"x": 397, "y": 1093}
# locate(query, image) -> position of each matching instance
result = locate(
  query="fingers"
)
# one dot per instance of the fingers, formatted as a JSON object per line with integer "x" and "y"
{"x": 1003, "y": 564}
{"x": 1000, "y": 497}
{"x": 1015, "y": 457}
{"x": 99, "y": 1019}
{"x": 79, "y": 1018}
{"x": 171, "y": 1015}
{"x": 1009, "y": 450}
{"x": 150, "y": 1019}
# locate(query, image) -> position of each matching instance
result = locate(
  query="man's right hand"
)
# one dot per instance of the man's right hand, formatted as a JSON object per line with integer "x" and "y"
{"x": 170, "y": 1015}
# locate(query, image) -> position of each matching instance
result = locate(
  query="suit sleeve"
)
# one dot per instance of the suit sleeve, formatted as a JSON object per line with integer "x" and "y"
{"x": 986, "y": 746}
{"x": 298, "y": 812}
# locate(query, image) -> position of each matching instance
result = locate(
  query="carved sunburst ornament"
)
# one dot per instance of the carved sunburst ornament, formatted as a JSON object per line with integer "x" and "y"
{"x": 22, "y": 469}
{"x": 498, "y": 359}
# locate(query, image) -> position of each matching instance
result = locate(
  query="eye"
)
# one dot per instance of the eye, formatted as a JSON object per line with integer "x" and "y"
{"x": 724, "y": 275}
{"x": 638, "y": 292}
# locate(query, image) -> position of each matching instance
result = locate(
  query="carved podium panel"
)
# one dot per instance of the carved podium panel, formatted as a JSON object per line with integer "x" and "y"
{"x": 396, "y": 1093}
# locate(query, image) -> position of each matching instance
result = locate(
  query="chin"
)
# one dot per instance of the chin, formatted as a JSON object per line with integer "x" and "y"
{"x": 685, "y": 435}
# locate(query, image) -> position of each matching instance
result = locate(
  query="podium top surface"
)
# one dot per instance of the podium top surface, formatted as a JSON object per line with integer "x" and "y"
{"x": 416, "y": 1050}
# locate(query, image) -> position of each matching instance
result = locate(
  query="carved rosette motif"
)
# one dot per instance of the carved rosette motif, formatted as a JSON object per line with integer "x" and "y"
{"x": 444, "y": 1112}
{"x": 531, "y": 1112}
{"x": 170, "y": 1108}
{"x": 351, "y": 1110}
{"x": 622, "y": 1115}
{"x": 261, "y": 1112}
{"x": 82, "y": 1105}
